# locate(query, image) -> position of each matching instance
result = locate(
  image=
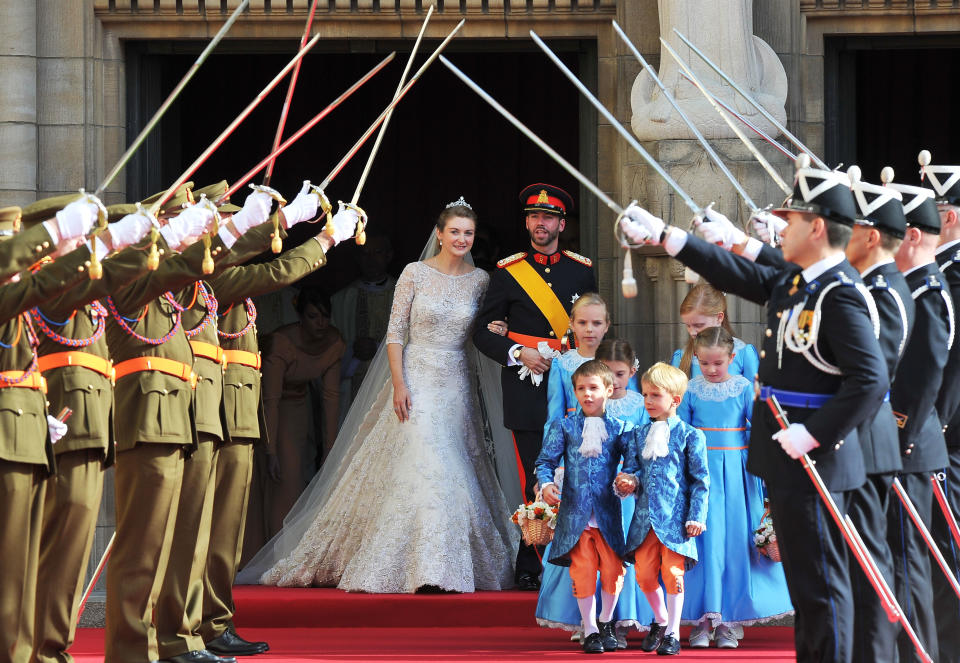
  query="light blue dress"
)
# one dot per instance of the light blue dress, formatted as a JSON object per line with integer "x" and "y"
{"x": 746, "y": 361}
{"x": 732, "y": 583}
{"x": 556, "y": 606}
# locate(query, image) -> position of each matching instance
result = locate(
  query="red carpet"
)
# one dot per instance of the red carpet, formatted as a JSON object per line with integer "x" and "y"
{"x": 309, "y": 625}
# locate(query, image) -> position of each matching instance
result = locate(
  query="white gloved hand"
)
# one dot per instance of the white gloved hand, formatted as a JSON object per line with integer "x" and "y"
{"x": 57, "y": 428}
{"x": 256, "y": 210}
{"x": 302, "y": 208}
{"x": 129, "y": 230}
{"x": 796, "y": 440}
{"x": 344, "y": 223}
{"x": 76, "y": 219}
{"x": 717, "y": 229}
{"x": 766, "y": 224}
{"x": 640, "y": 226}
{"x": 191, "y": 222}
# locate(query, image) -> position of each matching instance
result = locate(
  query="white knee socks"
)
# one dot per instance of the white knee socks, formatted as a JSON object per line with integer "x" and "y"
{"x": 607, "y": 603}
{"x": 655, "y": 599}
{"x": 674, "y": 606}
{"x": 588, "y": 613}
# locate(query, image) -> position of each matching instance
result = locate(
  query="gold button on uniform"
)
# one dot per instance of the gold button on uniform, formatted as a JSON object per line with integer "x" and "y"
{"x": 547, "y": 270}
{"x": 551, "y": 333}
{"x": 763, "y": 353}
{"x": 550, "y": 284}
{"x": 769, "y": 333}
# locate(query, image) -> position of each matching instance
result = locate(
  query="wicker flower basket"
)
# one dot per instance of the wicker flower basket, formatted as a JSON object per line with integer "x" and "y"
{"x": 536, "y": 532}
{"x": 765, "y": 537}
{"x": 772, "y": 551}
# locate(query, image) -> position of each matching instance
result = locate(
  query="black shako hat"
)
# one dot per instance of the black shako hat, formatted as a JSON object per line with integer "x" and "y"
{"x": 944, "y": 180}
{"x": 879, "y": 207}
{"x": 919, "y": 207}
{"x": 825, "y": 193}
{"x": 546, "y": 198}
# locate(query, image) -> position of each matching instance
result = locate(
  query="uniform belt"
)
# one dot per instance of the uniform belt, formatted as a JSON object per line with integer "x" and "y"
{"x": 32, "y": 381}
{"x": 532, "y": 341}
{"x": 160, "y": 364}
{"x": 75, "y": 358}
{"x": 800, "y": 398}
{"x": 242, "y": 357}
{"x": 208, "y": 351}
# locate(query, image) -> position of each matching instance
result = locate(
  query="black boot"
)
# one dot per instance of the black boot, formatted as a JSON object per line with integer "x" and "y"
{"x": 653, "y": 639}
{"x": 608, "y": 636}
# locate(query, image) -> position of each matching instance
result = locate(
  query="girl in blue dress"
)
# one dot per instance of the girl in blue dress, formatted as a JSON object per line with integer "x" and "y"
{"x": 556, "y": 607}
{"x": 703, "y": 307}
{"x": 733, "y": 584}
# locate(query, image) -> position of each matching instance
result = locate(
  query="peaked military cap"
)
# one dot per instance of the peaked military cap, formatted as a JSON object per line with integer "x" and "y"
{"x": 46, "y": 208}
{"x": 215, "y": 191}
{"x": 182, "y": 196}
{"x": 546, "y": 198}
{"x": 880, "y": 207}
{"x": 825, "y": 193}
{"x": 944, "y": 180}
{"x": 9, "y": 221}
{"x": 919, "y": 207}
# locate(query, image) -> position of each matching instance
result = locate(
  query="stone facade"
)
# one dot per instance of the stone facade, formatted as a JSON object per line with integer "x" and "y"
{"x": 63, "y": 108}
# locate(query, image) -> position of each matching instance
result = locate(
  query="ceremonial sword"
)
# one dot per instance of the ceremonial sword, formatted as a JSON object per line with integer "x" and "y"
{"x": 774, "y": 175}
{"x": 763, "y": 111}
{"x": 925, "y": 534}
{"x": 935, "y": 479}
{"x": 854, "y": 541}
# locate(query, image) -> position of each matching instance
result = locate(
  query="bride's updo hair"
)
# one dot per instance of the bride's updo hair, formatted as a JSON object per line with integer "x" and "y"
{"x": 454, "y": 211}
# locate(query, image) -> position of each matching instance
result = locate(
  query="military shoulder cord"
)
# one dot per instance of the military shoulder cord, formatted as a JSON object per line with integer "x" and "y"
{"x": 32, "y": 337}
{"x": 44, "y": 323}
{"x": 251, "y": 319}
{"x": 209, "y": 301}
{"x": 124, "y": 324}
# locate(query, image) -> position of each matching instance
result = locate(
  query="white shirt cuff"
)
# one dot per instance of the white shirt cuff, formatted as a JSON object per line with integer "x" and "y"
{"x": 101, "y": 248}
{"x": 675, "y": 241}
{"x": 226, "y": 237}
{"x": 52, "y": 230}
{"x": 510, "y": 360}
{"x": 752, "y": 249}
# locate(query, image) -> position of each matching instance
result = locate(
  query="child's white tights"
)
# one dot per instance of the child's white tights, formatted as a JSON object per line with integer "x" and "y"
{"x": 588, "y": 610}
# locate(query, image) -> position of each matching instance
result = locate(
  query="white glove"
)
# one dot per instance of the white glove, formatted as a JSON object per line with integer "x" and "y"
{"x": 344, "y": 223}
{"x": 765, "y": 224}
{"x": 129, "y": 230}
{"x": 57, "y": 428}
{"x": 640, "y": 226}
{"x": 547, "y": 353}
{"x": 717, "y": 229}
{"x": 76, "y": 219}
{"x": 256, "y": 210}
{"x": 796, "y": 440}
{"x": 191, "y": 222}
{"x": 303, "y": 207}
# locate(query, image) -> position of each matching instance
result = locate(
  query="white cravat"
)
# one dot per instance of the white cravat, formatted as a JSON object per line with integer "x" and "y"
{"x": 594, "y": 435}
{"x": 657, "y": 443}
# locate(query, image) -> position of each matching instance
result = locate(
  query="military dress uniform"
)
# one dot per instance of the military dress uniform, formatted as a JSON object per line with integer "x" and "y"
{"x": 533, "y": 292}
{"x": 233, "y": 289}
{"x": 821, "y": 359}
{"x": 923, "y": 449}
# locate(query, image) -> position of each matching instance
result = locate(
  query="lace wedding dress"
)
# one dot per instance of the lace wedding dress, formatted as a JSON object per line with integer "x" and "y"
{"x": 419, "y": 502}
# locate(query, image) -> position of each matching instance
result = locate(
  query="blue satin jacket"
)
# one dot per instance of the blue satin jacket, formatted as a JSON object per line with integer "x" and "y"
{"x": 587, "y": 482}
{"x": 674, "y": 489}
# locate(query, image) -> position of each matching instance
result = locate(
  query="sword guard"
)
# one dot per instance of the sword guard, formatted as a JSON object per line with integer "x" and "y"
{"x": 360, "y": 235}
{"x": 153, "y": 259}
{"x": 270, "y": 191}
{"x": 96, "y": 269}
{"x": 207, "y": 264}
{"x": 325, "y": 204}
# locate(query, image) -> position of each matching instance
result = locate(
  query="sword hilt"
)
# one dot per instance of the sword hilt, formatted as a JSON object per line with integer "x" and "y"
{"x": 326, "y": 206}
{"x": 360, "y": 234}
{"x": 96, "y": 269}
{"x": 207, "y": 264}
{"x": 276, "y": 244}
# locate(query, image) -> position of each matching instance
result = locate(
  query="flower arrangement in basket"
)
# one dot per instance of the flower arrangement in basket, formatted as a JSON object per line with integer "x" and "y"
{"x": 765, "y": 537}
{"x": 536, "y": 521}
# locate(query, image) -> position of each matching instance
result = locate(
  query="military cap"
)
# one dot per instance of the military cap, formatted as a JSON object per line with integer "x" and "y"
{"x": 825, "y": 193}
{"x": 182, "y": 196}
{"x": 879, "y": 207}
{"x": 9, "y": 221}
{"x": 120, "y": 210}
{"x": 546, "y": 198}
{"x": 919, "y": 207}
{"x": 215, "y": 191}
{"x": 946, "y": 191}
{"x": 46, "y": 208}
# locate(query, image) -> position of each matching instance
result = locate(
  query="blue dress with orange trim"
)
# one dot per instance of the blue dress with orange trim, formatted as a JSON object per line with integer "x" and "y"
{"x": 556, "y": 605}
{"x": 746, "y": 361}
{"x": 732, "y": 583}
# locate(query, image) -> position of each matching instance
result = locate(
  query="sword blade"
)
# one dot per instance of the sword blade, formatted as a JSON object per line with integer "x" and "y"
{"x": 138, "y": 141}
{"x": 386, "y": 120}
{"x": 396, "y": 100}
{"x": 683, "y": 116}
{"x": 925, "y": 533}
{"x": 774, "y": 175}
{"x": 763, "y": 111}
{"x": 218, "y": 141}
{"x": 945, "y": 507}
{"x": 304, "y": 129}
{"x": 566, "y": 165}
{"x": 289, "y": 98}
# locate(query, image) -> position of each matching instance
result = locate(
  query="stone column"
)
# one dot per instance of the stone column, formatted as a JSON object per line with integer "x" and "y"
{"x": 18, "y": 102}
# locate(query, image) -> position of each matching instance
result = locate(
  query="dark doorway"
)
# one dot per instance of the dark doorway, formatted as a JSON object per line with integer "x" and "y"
{"x": 443, "y": 140}
{"x": 887, "y": 98}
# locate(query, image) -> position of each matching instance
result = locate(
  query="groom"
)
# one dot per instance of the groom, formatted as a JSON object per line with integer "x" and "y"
{"x": 533, "y": 291}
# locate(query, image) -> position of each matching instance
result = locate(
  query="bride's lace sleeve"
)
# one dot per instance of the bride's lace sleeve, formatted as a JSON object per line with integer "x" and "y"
{"x": 403, "y": 294}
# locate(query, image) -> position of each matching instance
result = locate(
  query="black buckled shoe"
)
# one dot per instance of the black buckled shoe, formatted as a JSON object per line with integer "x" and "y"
{"x": 608, "y": 635}
{"x": 670, "y": 646}
{"x": 527, "y": 582}
{"x": 231, "y": 644}
{"x": 198, "y": 656}
{"x": 593, "y": 644}
{"x": 653, "y": 639}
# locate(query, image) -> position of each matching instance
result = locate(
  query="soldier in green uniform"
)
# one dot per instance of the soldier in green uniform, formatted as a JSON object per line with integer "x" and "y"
{"x": 233, "y": 289}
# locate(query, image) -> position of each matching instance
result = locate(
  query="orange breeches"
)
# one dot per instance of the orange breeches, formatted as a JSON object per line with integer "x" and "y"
{"x": 653, "y": 559}
{"x": 592, "y": 554}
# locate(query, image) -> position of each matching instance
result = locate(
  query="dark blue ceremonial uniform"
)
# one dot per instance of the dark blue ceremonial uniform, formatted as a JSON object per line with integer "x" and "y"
{"x": 814, "y": 554}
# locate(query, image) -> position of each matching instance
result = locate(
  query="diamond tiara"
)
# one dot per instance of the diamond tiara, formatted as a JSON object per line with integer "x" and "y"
{"x": 459, "y": 202}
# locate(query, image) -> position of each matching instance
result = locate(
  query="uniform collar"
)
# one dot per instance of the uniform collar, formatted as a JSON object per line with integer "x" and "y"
{"x": 875, "y": 266}
{"x": 544, "y": 259}
{"x": 925, "y": 267}
{"x": 949, "y": 246}
{"x": 811, "y": 273}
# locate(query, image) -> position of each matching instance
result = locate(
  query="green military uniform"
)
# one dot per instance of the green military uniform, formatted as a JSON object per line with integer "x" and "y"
{"x": 25, "y": 452}
{"x": 75, "y": 362}
{"x": 21, "y": 249}
{"x": 233, "y": 288}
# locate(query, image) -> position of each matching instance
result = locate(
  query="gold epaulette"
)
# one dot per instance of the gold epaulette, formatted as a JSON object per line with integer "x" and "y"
{"x": 509, "y": 260}
{"x": 579, "y": 258}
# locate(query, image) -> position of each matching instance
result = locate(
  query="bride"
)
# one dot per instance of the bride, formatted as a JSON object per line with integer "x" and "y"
{"x": 411, "y": 499}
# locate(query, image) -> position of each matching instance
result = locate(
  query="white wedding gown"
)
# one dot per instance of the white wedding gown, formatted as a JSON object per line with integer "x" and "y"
{"x": 419, "y": 502}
